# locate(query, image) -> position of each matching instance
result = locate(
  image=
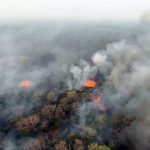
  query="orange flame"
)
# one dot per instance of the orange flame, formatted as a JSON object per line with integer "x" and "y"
{"x": 90, "y": 84}
{"x": 25, "y": 83}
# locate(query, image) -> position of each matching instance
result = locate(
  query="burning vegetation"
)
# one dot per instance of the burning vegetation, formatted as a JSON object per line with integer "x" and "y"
{"x": 79, "y": 119}
{"x": 57, "y": 125}
{"x": 90, "y": 84}
{"x": 99, "y": 104}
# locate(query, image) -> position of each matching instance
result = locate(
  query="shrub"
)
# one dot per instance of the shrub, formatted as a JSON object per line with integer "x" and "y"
{"x": 95, "y": 146}
{"x": 48, "y": 111}
{"x": 28, "y": 124}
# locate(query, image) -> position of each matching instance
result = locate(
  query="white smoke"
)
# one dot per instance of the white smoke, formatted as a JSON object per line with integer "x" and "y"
{"x": 126, "y": 66}
{"x": 82, "y": 73}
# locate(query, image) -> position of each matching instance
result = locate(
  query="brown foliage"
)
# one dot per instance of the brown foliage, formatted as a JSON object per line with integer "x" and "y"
{"x": 51, "y": 95}
{"x": 59, "y": 112}
{"x": 117, "y": 121}
{"x": 78, "y": 145}
{"x": 128, "y": 120}
{"x": 72, "y": 95}
{"x": 65, "y": 105}
{"x": 28, "y": 124}
{"x": 48, "y": 111}
{"x": 54, "y": 134}
{"x": 37, "y": 144}
{"x": 122, "y": 120}
{"x": 62, "y": 145}
{"x": 44, "y": 125}
{"x": 65, "y": 101}
{"x": 75, "y": 107}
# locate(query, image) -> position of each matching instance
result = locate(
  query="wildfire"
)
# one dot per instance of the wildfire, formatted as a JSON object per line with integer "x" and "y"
{"x": 25, "y": 83}
{"x": 98, "y": 103}
{"x": 90, "y": 84}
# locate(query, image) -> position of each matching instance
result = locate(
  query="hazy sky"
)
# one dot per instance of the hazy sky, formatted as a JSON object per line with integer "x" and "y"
{"x": 103, "y": 10}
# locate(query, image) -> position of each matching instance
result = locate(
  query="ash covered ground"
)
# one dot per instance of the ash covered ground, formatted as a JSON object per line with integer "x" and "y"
{"x": 74, "y": 86}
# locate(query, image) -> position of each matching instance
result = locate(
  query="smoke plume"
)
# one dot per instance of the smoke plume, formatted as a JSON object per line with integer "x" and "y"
{"x": 65, "y": 59}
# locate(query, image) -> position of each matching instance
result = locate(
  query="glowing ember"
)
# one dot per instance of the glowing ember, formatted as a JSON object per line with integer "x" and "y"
{"x": 98, "y": 103}
{"x": 90, "y": 84}
{"x": 25, "y": 83}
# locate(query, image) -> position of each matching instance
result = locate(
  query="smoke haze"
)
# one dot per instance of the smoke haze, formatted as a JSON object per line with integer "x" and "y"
{"x": 63, "y": 56}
